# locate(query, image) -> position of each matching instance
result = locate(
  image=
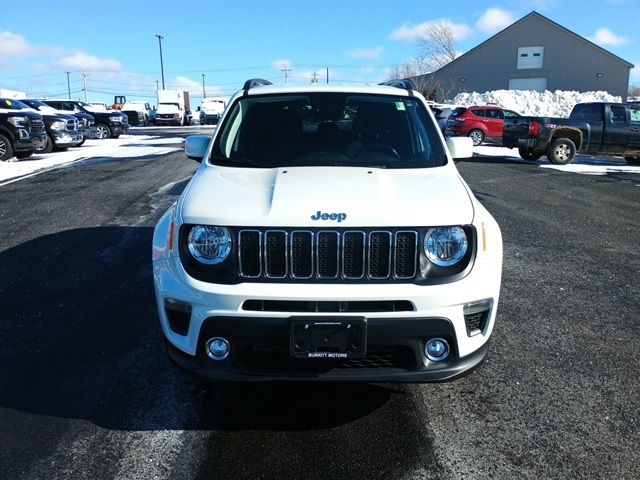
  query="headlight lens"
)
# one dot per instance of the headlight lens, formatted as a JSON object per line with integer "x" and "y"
{"x": 209, "y": 245}
{"x": 445, "y": 246}
{"x": 59, "y": 125}
{"x": 115, "y": 118}
{"x": 18, "y": 121}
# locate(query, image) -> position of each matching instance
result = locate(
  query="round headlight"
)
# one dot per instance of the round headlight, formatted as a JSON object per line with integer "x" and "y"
{"x": 209, "y": 245}
{"x": 445, "y": 246}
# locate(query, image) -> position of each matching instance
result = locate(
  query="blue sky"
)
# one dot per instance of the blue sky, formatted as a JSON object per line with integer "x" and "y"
{"x": 359, "y": 41}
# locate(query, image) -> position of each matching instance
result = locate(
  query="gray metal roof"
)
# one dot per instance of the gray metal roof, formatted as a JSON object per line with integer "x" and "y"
{"x": 536, "y": 14}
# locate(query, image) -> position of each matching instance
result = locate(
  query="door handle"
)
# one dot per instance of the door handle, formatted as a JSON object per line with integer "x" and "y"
{"x": 635, "y": 130}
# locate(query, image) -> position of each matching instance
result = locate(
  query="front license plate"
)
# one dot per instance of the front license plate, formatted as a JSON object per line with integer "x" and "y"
{"x": 328, "y": 337}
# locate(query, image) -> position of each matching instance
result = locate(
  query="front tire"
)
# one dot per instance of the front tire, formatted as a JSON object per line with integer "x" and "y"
{"x": 561, "y": 151}
{"x": 529, "y": 154}
{"x": 6, "y": 150}
{"x": 102, "y": 131}
{"x": 48, "y": 148}
{"x": 633, "y": 160}
{"x": 477, "y": 136}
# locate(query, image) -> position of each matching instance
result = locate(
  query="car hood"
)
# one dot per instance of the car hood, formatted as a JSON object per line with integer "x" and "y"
{"x": 162, "y": 108}
{"x": 360, "y": 197}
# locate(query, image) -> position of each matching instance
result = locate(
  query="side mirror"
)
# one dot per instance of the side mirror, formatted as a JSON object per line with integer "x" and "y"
{"x": 460, "y": 147}
{"x": 198, "y": 109}
{"x": 195, "y": 147}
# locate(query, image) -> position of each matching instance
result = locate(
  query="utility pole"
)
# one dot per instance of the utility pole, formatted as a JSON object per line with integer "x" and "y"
{"x": 204, "y": 93}
{"x": 160, "y": 38}
{"x": 327, "y": 75}
{"x": 314, "y": 79}
{"x": 286, "y": 71}
{"x": 84, "y": 80}
{"x": 68, "y": 85}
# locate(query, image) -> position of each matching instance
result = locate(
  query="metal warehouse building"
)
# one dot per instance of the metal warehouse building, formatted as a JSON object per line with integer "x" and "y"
{"x": 534, "y": 53}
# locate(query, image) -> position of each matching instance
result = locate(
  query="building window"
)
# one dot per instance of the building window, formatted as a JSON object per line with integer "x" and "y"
{"x": 530, "y": 57}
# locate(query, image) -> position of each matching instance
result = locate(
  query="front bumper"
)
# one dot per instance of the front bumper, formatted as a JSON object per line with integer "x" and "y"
{"x": 210, "y": 119}
{"x": 167, "y": 121}
{"x": 259, "y": 337}
{"x": 67, "y": 139}
{"x": 260, "y": 352}
{"x": 29, "y": 142}
{"x": 118, "y": 128}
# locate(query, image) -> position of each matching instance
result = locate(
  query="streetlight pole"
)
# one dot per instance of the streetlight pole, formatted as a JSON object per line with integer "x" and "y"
{"x": 204, "y": 93}
{"x": 160, "y": 38}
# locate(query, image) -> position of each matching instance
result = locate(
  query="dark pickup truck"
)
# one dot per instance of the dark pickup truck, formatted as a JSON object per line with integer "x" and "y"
{"x": 21, "y": 133}
{"x": 592, "y": 128}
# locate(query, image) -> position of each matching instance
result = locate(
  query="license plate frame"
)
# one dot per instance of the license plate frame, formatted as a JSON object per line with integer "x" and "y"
{"x": 338, "y": 338}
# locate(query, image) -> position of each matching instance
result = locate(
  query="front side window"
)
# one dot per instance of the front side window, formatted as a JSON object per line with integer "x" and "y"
{"x": 634, "y": 112}
{"x": 618, "y": 115}
{"x": 328, "y": 129}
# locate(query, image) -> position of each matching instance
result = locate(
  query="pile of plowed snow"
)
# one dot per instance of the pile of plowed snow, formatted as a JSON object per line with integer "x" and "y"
{"x": 528, "y": 102}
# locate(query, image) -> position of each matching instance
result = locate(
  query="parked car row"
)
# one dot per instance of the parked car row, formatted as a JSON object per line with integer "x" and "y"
{"x": 31, "y": 125}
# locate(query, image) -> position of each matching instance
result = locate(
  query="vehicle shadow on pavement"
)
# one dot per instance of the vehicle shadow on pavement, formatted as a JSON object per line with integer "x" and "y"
{"x": 81, "y": 340}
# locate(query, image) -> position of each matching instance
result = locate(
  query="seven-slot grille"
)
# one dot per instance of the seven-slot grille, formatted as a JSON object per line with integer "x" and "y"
{"x": 328, "y": 254}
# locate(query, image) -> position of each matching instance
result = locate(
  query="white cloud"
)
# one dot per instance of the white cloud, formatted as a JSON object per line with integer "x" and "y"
{"x": 494, "y": 20}
{"x": 368, "y": 53}
{"x": 193, "y": 86}
{"x": 409, "y": 32}
{"x": 13, "y": 45}
{"x": 187, "y": 82}
{"x": 82, "y": 61}
{"x": 280, "y": 64}
{"x": 368, "y": 70}
{"x": 606, "y": 38}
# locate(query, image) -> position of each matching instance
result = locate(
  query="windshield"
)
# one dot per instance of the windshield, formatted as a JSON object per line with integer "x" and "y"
{"x": 37, "y": 104}
{"x": 328, "y": 129}
{"x": 11, "y": 104}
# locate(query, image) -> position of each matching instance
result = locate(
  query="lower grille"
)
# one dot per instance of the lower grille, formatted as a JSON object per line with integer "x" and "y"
{"x": 314, "y": 306}
{"x": 328, "y": 254}
{"x": 276, "y": 358}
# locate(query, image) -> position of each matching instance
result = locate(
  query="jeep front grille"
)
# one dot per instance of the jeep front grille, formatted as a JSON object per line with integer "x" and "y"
{"x": 328, "y": 254}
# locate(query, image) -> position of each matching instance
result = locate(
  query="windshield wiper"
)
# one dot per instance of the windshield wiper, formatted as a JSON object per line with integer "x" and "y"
{"x": 227, "y": 162}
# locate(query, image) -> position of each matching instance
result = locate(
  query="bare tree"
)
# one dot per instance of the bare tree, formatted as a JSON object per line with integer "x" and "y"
{"x": 634, "y": 91}
{"x": 436, "y": 48}
{"x": 436, "y": 45}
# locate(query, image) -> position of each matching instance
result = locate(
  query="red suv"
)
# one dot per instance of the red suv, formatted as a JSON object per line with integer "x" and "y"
{"x": 481, "y": 123}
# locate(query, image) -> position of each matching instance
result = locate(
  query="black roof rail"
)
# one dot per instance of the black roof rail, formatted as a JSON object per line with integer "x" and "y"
{"x": 403, "y": 83}
{"x": 255, "y": 82}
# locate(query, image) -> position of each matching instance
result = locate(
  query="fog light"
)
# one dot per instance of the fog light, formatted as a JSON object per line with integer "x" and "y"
{"x": 436, "y": 349}
{"x": 218, "y": 348}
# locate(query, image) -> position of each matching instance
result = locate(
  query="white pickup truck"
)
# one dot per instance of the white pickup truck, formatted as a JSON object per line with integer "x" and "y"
{"x": 138, "y": 113}
{"x": 327, "y": 235}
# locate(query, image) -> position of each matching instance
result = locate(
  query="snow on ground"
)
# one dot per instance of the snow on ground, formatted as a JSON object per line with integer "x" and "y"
{"x": 583, "y": 164}
{"x": 127, "y": 146}
{"x": 527, "y": 102}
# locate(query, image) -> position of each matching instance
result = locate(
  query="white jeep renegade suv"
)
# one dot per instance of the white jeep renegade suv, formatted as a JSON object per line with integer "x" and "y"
{"x": 327, "y": 235}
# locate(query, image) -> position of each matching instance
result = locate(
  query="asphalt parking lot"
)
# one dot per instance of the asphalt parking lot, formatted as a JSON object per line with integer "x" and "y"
{"x": 86, "y": 390}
